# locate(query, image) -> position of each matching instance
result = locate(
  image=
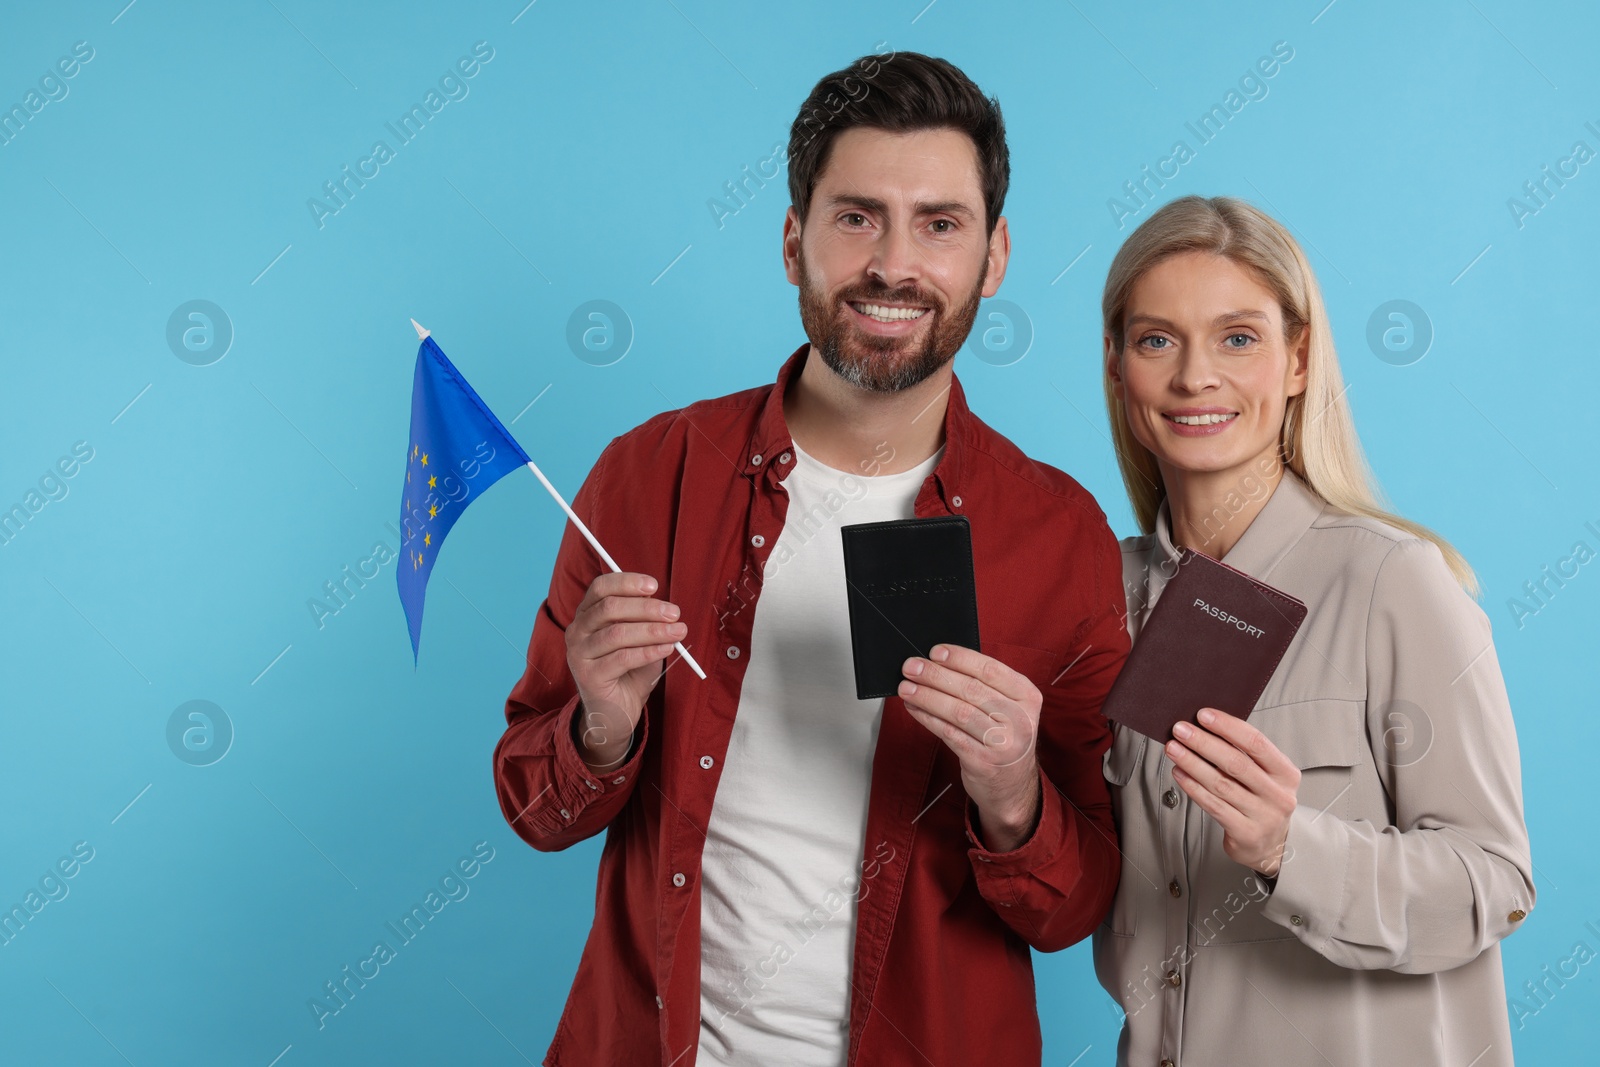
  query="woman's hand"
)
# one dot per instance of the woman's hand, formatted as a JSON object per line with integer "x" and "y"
{"x": 988, "y": 715}
{"x": 1235, "y": 774}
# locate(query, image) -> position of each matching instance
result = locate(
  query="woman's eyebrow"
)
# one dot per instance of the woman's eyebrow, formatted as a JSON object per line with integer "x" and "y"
{"x": 1154, "y": 320}
{"x": 1221, "y": 320}
{"x": 1233, "y": 316}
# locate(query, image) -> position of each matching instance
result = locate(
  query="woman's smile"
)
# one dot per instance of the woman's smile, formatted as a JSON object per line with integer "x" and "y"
{"x": 1199, "y": 422}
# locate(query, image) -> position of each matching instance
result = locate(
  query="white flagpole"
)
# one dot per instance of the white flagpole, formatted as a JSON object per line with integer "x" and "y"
{"x": 598, "y": 547}
{"x": 583, "y": 529}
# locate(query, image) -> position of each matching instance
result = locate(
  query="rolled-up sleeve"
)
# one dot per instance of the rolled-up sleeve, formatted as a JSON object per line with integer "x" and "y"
{"x": 549, "y": 796}
{"x": 1056, "y": 886}
{"x": 1451, "y": 874}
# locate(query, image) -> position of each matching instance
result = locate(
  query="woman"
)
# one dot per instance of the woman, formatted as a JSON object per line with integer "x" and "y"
{"x": 1329, "y": 881}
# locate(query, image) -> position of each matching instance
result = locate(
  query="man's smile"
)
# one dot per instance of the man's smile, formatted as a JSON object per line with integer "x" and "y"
{"x": 887, "y": 312}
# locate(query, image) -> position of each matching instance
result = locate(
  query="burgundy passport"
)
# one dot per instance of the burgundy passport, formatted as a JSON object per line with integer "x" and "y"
{"x": 1212, "y": 641}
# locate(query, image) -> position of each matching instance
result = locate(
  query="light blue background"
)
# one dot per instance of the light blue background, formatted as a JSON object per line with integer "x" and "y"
{"x": 579, "y": 167}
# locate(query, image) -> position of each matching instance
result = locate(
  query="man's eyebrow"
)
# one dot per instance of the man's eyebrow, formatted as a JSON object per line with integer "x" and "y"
{"x": 945, "y": 207}
{"x": 923, "y": 207}
{"x": 866, "y": 203}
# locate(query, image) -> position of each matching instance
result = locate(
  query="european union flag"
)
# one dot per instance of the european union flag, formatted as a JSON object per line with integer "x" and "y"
{"x": 458, "y": 449}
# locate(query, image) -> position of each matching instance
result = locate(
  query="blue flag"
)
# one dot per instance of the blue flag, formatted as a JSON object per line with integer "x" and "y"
{"x": 458, "y": 449}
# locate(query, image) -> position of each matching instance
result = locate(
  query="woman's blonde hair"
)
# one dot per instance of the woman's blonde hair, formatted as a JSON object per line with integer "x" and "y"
{"x": 1321, "y": 448}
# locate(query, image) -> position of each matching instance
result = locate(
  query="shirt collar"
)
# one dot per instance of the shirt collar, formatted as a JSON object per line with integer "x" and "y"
{"x": 1287, "y": 515}
{"x": 770, "y": 441}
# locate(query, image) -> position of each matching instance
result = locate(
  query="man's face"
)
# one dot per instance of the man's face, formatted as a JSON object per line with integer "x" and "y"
{"x": 894, "y": 256}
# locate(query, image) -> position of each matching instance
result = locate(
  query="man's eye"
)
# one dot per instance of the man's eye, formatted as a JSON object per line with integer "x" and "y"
{"x": 946, "y": 223}
{"x": 855, "y": 218}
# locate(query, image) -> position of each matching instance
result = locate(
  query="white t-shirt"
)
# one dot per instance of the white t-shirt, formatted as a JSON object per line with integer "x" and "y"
{"x": 784, "y": 844}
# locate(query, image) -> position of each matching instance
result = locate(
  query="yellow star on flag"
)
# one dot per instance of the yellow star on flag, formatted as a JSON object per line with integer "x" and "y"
{"x": 433, "y": 510}
{"x": 424, "y": 459}
{"x": 427, "y": 538}
{"x": 432, "y": 481}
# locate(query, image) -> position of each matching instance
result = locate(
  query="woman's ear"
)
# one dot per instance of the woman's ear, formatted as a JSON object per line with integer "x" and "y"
{"x": 1113, "y": 366}
{"x": 1299, "y": 355}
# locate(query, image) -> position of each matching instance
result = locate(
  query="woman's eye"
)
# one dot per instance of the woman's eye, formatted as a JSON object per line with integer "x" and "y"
{"x": 1239, "y": 340}
{"x": 1155, "y": 342}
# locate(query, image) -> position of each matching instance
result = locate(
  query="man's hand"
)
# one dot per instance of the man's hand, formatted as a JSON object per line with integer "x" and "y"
{"x": 1242, "y": 780}
{"x": 615, "y": 646}
{"x": 988, "y": 715}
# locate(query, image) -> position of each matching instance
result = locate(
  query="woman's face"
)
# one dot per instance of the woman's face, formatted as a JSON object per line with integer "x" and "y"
{"x": 1205, "y": 372}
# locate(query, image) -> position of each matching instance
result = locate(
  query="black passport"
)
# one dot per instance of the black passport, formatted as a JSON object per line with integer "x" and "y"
{"x": 909, "y": 586}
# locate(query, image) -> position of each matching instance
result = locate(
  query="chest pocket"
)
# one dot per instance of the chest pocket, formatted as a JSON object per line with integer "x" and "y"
{"x": 1124, "y": 755}
{"x": 1135, "y": 809}
{"x": 1041, "y": 667}
{"x": 1326, "y": 739}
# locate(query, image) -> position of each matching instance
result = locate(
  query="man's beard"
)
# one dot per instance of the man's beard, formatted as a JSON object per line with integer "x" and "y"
{"x": 883, "y": 364}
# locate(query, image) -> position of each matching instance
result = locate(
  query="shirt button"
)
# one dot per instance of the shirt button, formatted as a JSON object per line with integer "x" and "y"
{"x": 1174, "y": 979}
{"x": 1168, "y": 1063}
{"x": 955, "y": 501}
{"x": 1296, "y": 920}
{"x": 678, "y": 880}
{"x": 1170, "y": 798}
{"x": 706, "y": 762}
{"x": 756, "y": 459}
{"x": 758, "y": 540}
{"x": 1175, "y": 889}
{"x": 619, "y": 779}
{"x": 733, "y": 651}
{"x": 660, "y": 1003}
{"x": 590, "y": 784}
{"x": 1517, "y": 916}
{"x": 565, "y": 814}
{"x": 784, "y": 458}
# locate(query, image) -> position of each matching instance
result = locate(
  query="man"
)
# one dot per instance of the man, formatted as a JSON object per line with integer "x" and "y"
{"x": 792, "y": 875}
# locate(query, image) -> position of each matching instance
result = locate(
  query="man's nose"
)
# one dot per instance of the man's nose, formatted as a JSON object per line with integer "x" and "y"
{"x": 896, "y": 259}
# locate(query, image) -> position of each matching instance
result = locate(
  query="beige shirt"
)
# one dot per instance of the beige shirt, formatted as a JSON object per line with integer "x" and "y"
{"x": 1407, "y": 856}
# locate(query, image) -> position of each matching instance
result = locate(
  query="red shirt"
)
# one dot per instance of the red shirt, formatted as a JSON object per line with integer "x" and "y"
{"x": 941, "y": 971}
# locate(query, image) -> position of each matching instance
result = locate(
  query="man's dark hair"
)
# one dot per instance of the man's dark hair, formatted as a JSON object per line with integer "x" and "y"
{"x": 900, "y": 92}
